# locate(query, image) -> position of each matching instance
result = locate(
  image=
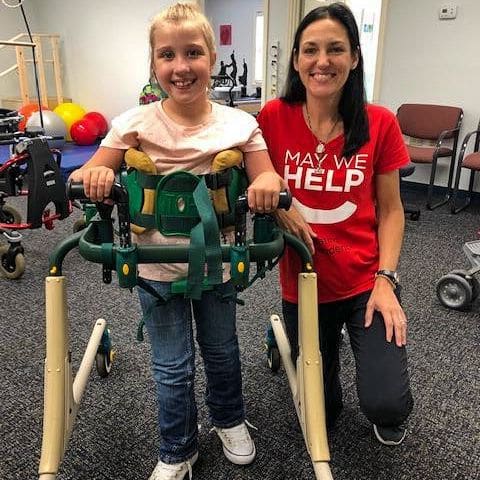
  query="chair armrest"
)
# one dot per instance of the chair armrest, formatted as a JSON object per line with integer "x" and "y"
{"x": 443, "y": 135}
{"x": 447, "y": 134}
{"x": 465, "y": 143}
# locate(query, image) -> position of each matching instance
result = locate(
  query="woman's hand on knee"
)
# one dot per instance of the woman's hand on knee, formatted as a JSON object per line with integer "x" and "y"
{"x": 384, "y": 300}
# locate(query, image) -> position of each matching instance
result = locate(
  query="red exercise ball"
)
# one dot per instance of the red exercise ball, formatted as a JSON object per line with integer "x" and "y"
{"x": 84, "y": 132}
{"x": 100, "y": 120}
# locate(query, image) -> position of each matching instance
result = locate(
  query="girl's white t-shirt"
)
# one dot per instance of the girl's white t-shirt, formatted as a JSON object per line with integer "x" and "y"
{"x": 174, "y": 147}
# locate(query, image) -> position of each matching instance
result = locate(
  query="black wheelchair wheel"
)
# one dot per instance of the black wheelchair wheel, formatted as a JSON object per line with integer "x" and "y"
{"x": 471, "y": 279}
{"x": 8, "y": 268}
{"x": 454, "y": 291}
{"x": 79, "y": 224}
{"x": 10, "y": 215}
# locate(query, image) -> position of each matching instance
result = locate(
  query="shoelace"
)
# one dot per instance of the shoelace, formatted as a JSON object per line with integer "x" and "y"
{"x": 179, "y": 470}
{"x": 190, "y": 471}
{"x": 248, "y": 424}
{"x": 230, "y": 434}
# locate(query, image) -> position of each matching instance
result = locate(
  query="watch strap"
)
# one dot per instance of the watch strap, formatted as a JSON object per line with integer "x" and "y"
{"x": 390, "y": 275}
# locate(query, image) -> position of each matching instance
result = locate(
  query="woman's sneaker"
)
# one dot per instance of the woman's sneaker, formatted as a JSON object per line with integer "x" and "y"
{"x": 173, "y": 471}
{"x": 238, "y": 445}
{"x": 390, "y": 435}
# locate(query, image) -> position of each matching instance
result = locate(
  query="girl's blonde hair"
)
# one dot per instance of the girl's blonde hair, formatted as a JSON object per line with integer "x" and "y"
{"x": 181, "y": 13}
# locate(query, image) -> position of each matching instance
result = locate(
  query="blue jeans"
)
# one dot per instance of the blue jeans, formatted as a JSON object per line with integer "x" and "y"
{"x": 170, "y": 330}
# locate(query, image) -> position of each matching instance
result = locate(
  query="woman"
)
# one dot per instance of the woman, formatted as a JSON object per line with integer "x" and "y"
{"x": 340, "y": 157}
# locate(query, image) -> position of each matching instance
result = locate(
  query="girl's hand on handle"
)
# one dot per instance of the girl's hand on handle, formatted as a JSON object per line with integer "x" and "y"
{"x": 293, "y": 222}
{"x": 97, "y": 181}
{"x": 263, "y": 192}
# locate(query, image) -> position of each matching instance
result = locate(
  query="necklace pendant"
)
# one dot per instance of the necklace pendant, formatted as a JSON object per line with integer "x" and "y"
{"x": 320, "y": 148}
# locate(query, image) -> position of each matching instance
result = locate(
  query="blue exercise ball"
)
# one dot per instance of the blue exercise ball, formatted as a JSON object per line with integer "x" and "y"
{"x": 53, "y": 126}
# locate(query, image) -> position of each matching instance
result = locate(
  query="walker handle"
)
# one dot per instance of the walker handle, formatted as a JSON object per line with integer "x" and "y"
{"x": 75, "y": 191}
{"x": 284, "y": 202}
{"x": 119, "y": 195}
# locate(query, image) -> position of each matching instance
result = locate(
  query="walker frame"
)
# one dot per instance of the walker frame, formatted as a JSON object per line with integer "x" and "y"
{"x": 63, "y": 392}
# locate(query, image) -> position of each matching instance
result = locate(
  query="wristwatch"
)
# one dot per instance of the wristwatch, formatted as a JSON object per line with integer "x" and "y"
{"x": 390, "y": 275}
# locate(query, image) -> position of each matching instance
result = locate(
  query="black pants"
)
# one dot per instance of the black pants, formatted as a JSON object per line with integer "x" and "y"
{"x": 382, "y": 379}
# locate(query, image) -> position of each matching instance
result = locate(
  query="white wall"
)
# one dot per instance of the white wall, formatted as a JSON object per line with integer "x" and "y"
{"x": 105, "y": 49}
{"x": 241, "y": 15}
{"x": 427, "y": 60}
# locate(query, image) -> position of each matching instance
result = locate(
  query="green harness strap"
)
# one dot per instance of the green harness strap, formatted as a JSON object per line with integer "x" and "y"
{"x": 204, "y": 245}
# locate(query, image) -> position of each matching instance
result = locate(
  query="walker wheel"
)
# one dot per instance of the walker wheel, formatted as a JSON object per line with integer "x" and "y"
{"x": 454, "y": 291}
{"x": 9, "y": 269}
{"x": 471, "y": 279}
{"x": 273, "y": 359}
{"x": 105, "y": 355}
{"x": 103, "y": 362}
{"x": 10, "y": 215}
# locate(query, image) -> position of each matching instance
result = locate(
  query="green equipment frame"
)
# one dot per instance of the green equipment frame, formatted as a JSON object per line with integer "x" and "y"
{"x": 96, "y": 243}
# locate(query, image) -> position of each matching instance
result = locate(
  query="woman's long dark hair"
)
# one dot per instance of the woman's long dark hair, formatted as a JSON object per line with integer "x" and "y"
{"x": 352, "y": 102}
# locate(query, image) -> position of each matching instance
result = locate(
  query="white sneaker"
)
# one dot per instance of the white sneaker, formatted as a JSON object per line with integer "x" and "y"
{"x": 174, "y": 471}
{"x": 238, "y": 445}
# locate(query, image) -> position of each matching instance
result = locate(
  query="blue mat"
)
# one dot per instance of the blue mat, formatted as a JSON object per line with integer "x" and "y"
{"x": 73, "y": 156}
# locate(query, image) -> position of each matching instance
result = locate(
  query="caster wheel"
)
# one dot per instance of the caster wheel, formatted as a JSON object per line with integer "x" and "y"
{"x": 454, "y": 291}
{"x": 105, "y": 355}
{"x": 10, "y": 215}
{"x": 80, "y": 224}
{"x": 471, "y": 279}
{"x": 273, "y": 359}
{"x": 103, "y": 363}
{"x": 9, "y": 269}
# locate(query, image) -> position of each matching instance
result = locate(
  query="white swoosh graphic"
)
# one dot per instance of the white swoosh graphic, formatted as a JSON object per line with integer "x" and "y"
{"x": 325, "y": 217}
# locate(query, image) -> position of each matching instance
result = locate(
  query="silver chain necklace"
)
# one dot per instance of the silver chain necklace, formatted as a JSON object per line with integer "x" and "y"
{"x": 320, "y": 148}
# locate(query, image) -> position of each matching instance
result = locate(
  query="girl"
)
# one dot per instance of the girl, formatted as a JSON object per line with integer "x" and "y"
{"x": 184, "y": 132}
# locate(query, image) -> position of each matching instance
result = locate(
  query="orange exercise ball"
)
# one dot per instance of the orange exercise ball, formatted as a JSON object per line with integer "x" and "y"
{"x": 70, "y": 113}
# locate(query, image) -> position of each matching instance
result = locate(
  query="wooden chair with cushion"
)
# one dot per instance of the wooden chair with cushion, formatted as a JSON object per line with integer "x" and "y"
{"x": 435, "y": 123}
{"x": 472, "y": 163}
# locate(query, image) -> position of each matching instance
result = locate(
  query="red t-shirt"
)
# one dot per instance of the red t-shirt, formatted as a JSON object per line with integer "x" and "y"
{"x": 334, "y": 194}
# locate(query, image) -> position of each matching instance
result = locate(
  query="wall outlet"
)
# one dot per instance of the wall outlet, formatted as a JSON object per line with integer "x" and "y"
{"x": 447, "y": 12}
